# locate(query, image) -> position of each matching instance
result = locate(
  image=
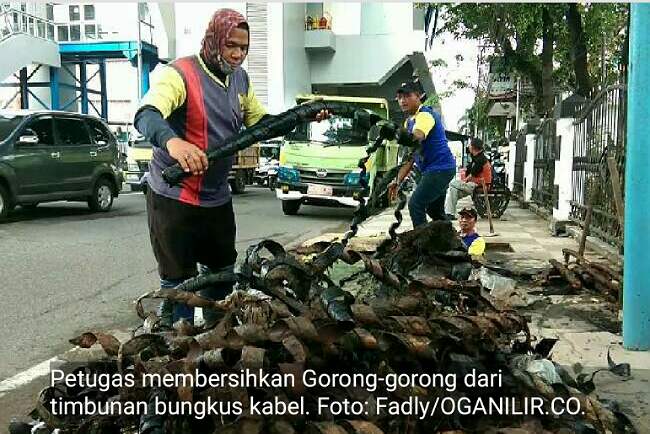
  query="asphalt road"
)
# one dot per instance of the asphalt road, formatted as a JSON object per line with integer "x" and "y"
{"x": 65, "y": 270}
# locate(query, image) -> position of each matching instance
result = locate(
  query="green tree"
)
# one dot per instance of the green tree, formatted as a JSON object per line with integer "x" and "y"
{"x": 552, "y": 45}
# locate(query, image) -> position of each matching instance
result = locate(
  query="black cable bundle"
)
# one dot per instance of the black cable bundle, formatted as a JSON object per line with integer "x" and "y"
{"x": 276, "y": 126}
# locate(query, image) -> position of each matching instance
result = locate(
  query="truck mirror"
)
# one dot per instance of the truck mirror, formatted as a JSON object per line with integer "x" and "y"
{"x": 364, "y": 120}
{"x": 28, "y": 139}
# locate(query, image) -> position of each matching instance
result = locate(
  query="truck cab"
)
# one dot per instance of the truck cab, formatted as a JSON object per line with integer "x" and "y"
{"x": 319, "y": 160}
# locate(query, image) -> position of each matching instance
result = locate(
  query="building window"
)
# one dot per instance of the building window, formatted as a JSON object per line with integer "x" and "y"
{"x": 62, "y": 33}
{"x": 418, "y": 18}
{"x": 49, "y": 11}
{"x": 74, "y": 13}
{"x": 90, "y": 31}
{"x": 75, "y": 32}
{"x": 89, "y": 12}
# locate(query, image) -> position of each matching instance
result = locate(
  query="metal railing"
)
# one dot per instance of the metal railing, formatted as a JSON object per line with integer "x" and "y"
{"x": 13, "y": 21}
{"x": 544, "y": 192}
{"x": 600, "y": 129}
{"x": 520, "y": 159}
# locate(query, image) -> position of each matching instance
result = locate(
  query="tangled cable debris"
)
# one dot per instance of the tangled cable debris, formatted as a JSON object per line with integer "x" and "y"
{"x": 425, "y": 352}
{"x": 420, "y": 342}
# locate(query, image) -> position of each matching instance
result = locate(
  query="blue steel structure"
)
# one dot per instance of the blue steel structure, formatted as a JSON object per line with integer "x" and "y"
{"x": 636, "y": 279}
{"x": 87, "y": 56}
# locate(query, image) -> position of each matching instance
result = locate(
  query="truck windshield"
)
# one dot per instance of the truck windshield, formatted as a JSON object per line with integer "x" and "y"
{"x": 141, "y": 144}
{"x": 333, "y": 131}
{"x": 270, "y": 152}
{"x": 7, "y": 125}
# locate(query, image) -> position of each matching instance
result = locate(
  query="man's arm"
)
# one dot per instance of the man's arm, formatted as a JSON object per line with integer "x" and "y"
{"x": 424, "y": 123}
{"x": 166, "y": 95}
{"x": 255, "y": 112}
{"x": 404, "y": 171}
{"x": 476, "y": 167}
{"x": 151, "y": 124}
{"x": 478, "y": 162}
{"x": 252, "y": 108}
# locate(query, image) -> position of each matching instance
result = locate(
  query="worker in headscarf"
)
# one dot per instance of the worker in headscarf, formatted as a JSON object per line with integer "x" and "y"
{"x": 193, "y": 105}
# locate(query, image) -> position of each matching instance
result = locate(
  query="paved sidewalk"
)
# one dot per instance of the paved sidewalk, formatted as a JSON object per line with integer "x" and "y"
{"x": 586, "y": 326}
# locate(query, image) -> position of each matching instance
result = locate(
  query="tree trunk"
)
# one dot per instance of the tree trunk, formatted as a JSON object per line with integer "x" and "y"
{"x": 578, "y": 50}
{"x": 625, "y": 55}
{"x": 548, "y": 38}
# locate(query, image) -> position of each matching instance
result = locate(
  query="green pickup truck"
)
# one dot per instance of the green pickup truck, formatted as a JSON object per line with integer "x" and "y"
{"x": 319, "y": 160}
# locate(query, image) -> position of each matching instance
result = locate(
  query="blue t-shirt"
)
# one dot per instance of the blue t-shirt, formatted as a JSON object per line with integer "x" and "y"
{"x": 435, "y": 155}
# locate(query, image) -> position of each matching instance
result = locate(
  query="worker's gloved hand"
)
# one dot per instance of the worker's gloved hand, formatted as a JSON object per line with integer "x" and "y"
{"x": 388, "y": 130}
{"x": 405, "y": 138}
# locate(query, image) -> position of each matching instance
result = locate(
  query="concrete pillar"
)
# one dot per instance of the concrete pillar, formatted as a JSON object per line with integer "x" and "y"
{"x": 24, "y": 95}
{"x": 529, "y": 171}
{"x": 103, "y": 89}
{"x": 636, "y": 279}
{"x": 510, "y": 167}
{"x": 564, "y": 169}
{"x": 83, "y": 78}
{"x": 55, "y": 97}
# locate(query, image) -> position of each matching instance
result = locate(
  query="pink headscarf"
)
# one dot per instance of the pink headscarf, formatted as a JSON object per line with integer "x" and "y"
{"x": 221, "y": 25}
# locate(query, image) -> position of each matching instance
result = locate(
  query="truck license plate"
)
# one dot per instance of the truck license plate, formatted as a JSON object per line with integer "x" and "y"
{"x": 319, "y": 190}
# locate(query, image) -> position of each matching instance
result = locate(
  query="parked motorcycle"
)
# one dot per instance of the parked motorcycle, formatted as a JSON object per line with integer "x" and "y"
{"x": 266, "y": 173}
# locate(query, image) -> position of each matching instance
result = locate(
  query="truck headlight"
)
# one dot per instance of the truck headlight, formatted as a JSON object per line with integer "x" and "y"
{"x": 286, "y": 174}
{"x": 353, "y": 178}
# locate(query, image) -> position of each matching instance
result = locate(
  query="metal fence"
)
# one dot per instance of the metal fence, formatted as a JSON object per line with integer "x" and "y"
{"x": 520, "y": 158}
{"x": 13, "y": 21}
{"x": 544, "y": 192}
{"x": 600, "y": 129}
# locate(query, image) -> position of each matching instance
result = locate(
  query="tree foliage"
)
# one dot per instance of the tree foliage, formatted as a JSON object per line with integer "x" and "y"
{"x": 551, "y": 45}
{"x": 554, "y": 47}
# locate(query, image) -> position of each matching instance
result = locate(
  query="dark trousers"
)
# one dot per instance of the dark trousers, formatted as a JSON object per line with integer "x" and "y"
{"x": 188, "y": 240}
{"x": 429, "y": 197}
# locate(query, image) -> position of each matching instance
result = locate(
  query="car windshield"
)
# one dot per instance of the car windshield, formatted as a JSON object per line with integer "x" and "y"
{"x": 7, "y": 125}
{"x": 336, "y": 131}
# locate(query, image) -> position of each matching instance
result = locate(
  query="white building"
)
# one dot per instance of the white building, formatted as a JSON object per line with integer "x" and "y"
{"x": 366, "y": 49}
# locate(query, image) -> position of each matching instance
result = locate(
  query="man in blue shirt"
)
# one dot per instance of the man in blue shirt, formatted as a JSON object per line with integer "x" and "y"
{"x": 434, "y": 159}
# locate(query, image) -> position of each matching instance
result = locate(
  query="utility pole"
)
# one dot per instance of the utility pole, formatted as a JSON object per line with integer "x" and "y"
{"x": 636, "y": 279}
{"x": 517, "y": 106}
{"x": 140, "y": 6}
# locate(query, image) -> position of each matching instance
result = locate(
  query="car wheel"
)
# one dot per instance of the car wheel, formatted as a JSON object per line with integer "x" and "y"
{"x": 290, "y": 207}
{"x": 238, "y": 185}
{"x": 5, "y": 202}
{"x": 102, "y": 196}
